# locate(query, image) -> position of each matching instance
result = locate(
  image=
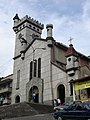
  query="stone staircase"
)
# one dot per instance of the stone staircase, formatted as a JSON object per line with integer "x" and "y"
{"x": 24, "y": 109}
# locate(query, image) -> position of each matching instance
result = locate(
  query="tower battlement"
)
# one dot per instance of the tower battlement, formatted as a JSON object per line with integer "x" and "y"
{"x": 18, "y": 21}
{"x": 33, "y": 21}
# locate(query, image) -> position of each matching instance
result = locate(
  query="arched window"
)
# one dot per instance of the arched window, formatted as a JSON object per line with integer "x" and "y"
{"x": 39, "y": 67}
{"x": 17, "y": 99}
{"x": 31, "y": 66}
{"x": 35, "y": 67}
{"x": 18, "y": 79}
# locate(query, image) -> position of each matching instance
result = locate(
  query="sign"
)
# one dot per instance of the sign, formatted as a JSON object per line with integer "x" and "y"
{"x": 82, "y": 85}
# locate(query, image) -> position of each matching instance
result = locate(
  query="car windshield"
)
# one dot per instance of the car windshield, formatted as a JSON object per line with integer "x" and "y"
{"x": 71, "y": 107}
{"x": 67, "y": 103}
{"x": 87, "y": 105}
{"x": 74, "y": 105}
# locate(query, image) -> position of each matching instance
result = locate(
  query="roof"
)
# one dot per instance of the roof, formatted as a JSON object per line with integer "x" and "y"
{"x": 80, "y": 79}
{"x": 6, "y": 81}
{"x": 16, "y": 17}
{"x": 71, "y": 51}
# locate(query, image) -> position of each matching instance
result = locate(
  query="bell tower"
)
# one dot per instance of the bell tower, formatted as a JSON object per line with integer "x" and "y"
{"x": 72, "y": 61}
{"x": 72, "y": 68}
{"x": 26, "y": 30}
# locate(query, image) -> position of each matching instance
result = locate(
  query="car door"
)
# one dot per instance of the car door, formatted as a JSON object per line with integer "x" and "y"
{"x": 69, "y": 112}
{"x": 73, "y": 112}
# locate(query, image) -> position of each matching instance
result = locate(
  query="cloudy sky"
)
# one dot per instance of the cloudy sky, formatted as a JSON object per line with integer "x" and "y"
{"x": 70, "y": 18}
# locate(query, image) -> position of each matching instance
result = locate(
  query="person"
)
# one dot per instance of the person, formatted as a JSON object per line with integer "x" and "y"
{"x": 1, "y": 100}
{"x": 59, "y": 101}
{"x": 33, "y": 96}
{"x": 55, "y": 102}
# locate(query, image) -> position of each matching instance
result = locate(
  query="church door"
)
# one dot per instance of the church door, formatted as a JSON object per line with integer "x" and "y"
{"x": 17, "y": 99}
{"x": 34, "y": 95}
{"x": 61, "y": 93}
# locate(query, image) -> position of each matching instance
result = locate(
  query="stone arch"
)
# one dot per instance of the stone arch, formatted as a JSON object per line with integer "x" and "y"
{"x": 17, "y": 99}
{"x": 61, "y": 92}
{"x": 34, "y": 83}
{"x": 34, "y": 91}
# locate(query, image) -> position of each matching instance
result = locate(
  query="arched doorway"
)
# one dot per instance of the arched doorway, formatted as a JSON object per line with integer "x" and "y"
{"x": 34, "y": 94}
{"x": 61, "y": 93}
{"x": 17, "y": 99}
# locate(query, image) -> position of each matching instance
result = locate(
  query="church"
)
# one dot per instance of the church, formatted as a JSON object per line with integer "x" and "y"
{"x": 45, "y": 69}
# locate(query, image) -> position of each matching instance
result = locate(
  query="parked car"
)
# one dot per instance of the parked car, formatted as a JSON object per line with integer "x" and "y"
{"x": 65, "y": 105}
{"x": 75, "y": 111}
{"x": 61, "y": 107}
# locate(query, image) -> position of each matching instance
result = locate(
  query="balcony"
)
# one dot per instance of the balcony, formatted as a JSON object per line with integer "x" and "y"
{"x": 6, "y": 90}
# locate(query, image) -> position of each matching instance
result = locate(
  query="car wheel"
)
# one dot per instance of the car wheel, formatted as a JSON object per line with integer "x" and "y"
{"x": 60, "y": 118}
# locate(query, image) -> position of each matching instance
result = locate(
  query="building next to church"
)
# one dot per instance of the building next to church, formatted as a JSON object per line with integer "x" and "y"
{"x": 44, "y": 69}
{"x": 6, "y": 89}
{"x": 81, "y": 88}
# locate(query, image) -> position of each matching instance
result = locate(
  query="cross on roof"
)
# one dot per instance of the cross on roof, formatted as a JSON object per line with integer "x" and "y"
{"x": 70, "y": 40}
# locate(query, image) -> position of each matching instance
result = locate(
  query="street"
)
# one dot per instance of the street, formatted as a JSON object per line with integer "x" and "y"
{"x": 35, "y": 117}
{"x": 38, "y": 117}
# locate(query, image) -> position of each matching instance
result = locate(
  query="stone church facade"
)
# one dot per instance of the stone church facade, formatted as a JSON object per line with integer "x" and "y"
{"x": 43, "y": 66}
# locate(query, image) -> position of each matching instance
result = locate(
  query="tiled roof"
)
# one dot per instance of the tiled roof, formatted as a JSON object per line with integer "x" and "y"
{"x": 71, "y": 51}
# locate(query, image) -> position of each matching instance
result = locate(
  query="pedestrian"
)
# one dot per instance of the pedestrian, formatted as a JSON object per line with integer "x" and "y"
{"x": 1, "y": 100}
{"x": 55, "y": 102}
{"x": 33, "y": 96}
{"x": 59, "y": 101}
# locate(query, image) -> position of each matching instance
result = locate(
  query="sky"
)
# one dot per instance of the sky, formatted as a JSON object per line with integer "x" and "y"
{"x": 70, "y": 18}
